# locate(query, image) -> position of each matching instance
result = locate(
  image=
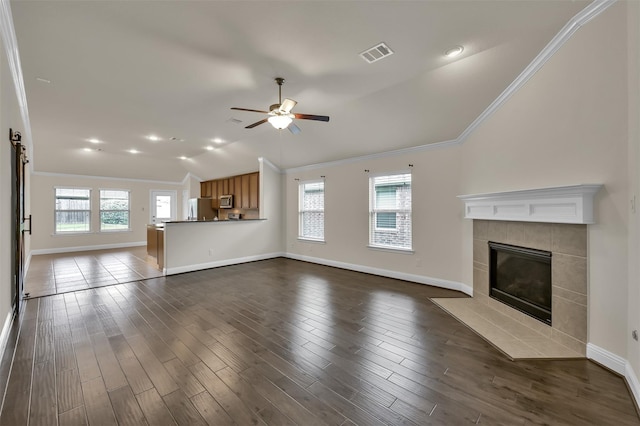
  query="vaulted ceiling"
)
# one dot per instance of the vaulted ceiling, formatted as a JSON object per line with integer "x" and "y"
{"x": 120, "y": 72}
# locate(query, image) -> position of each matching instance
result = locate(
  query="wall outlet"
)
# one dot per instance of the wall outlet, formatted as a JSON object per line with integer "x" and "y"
{"x": 634, "y": 334}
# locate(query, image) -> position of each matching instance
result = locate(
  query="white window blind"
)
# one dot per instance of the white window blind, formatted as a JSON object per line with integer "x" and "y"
{"x": 390, "y": 211}
{"x": 311, "y": 210}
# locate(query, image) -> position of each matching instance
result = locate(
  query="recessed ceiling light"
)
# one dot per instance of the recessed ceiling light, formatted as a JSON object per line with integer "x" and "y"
{"x": 153, "y": 138}
{"x": 134, "y": 151}
{"x": 183, "y": 157}
{"x": 208, "y": 148}
{"x": 93, "y": 140}
{"x": 92, "y": 149}
{"x": 217, "y": 140}
{"x": 454, "y": 51}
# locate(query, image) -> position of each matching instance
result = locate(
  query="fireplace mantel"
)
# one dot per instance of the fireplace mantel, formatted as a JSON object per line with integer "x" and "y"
{"x": 562, "y": 204}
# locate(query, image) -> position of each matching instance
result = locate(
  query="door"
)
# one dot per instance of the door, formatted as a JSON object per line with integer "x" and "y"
{"x": 18, "y": 218}
{"x": 163, "y": 206}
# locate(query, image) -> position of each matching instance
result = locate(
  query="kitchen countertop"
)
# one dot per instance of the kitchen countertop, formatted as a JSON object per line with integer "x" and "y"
{"x": 213, "y": 221}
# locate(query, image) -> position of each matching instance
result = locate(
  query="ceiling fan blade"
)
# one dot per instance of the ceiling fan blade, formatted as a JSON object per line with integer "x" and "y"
{"x": 250, "y": 110}
{"x": 257, "y": 123}
{"x": 294, "y": 129}
{"x": 287, "y": 105}
{"x": 312, "y": 117}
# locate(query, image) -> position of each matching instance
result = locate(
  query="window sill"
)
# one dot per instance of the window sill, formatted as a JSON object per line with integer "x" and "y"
{"x": 391, "y": 249}
{"x": 311, "y": 240}
{"x": 111, "y": 231}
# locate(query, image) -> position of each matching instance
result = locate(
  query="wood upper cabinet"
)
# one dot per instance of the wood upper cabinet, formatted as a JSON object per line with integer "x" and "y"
{"x": 237, "y": 191}
{"x": 244, "y": 188}
{"x": 220, "y": 184}
{"x": 214, "y": 190}
{"x": 244, "y": 203}
{"x": 205, "y": 189}
{"x": 254, "y": 188}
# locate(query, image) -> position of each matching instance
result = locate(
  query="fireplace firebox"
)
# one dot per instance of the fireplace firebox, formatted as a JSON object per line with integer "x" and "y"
{"x": 521, "y": 278}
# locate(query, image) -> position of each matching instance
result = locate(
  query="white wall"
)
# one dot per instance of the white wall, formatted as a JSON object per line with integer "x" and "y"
{"x": 198, "y": 245}
{"x": 569, "y": 124}
{"x": 42, "y": 194}
{"x": 436, "y": 217}
{"x": 633, "y": 91}
{"x": 10, "y": 117}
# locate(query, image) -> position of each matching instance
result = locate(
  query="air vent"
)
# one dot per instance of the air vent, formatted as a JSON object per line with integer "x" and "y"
{"x": 376, "y": 53}
{"x": 234, "y": 121}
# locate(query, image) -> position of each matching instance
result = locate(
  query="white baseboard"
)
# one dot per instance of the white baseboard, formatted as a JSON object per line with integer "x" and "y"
{"x": 633, "y": 383}
{"x": 218, "y": 263}
{"x": 4, "y": 335}
{"x": 87, "y": 248}
{"x": 617, "y": 364}
{"x": 421, "y": 279}
{"x": 610, "y": 360}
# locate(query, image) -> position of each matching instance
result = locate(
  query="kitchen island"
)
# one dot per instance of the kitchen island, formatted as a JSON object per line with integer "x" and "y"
{"x": 193, "y": 245}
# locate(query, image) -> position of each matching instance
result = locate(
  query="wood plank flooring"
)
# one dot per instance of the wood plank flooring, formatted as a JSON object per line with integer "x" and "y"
{"x": 64, "y": 272}
{"x": 281, "y": 342}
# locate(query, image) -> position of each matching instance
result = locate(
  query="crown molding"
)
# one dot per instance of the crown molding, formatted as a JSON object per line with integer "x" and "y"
{"x": 584, "y": 16}
{"x": 13, "y": 58}
{"x": 108, "y": 178}
{"x": 190, "y": 175}
{"x": 396, "y": 152}
{"x": 263, "y": 160}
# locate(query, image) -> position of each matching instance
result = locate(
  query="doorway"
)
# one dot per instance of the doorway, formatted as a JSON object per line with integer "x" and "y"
{"x": 163, "y": 206}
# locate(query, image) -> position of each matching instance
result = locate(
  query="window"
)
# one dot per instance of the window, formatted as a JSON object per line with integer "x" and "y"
{"x": 72, "y": 210}
{"x": 390, "y": 211}
{"x": 311, "y": 208}
{"x": 114, "y": 210}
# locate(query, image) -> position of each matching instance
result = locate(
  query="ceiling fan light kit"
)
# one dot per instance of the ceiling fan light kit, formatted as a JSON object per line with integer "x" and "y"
{"x": 280, "y": 115}
{"x": 280, "y": 121}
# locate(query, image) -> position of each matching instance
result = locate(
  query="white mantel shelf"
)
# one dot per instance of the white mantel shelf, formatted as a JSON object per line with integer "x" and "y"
{"x": 562, "y": 204}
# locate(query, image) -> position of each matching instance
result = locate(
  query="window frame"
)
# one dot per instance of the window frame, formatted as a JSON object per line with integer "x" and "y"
{"x": 56, "y": 231}
{"x": 302, "y": 211}
{"x": 374, "y": 211}
{"x": 100, "y": 210}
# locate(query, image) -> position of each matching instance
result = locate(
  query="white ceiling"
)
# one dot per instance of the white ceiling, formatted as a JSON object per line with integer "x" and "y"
{"x": 120, "y": 71}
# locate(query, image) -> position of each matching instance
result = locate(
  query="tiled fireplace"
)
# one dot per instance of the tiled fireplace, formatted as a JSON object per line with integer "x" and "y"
{"x": 568, "y": 246}
{"x": 552, "y": 220}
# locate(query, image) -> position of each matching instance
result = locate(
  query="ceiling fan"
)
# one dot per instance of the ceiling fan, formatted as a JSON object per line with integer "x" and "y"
{"x": 280, "y": 115}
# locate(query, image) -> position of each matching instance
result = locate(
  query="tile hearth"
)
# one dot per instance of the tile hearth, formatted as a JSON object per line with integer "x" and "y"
{"x": 516, "y": 339}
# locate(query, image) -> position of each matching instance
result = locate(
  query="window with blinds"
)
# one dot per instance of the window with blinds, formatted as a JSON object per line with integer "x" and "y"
{"x": 390, "y": 211}
{"x": 311, "y": 210}
{"x": 114, "y": 210}
{"x": 72, "y": 210}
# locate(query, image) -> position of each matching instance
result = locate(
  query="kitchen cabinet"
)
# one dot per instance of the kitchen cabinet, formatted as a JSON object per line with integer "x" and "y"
{"x": 155, "y": 243}
{"x": 205, "y": 189}
{"x": 237, "y": 191}
{"x": 215, "y": 196}
{"x": 254, "y": 187}
{"x": 220, "y": 184}
{"x": 245, "y": 192}
{"x": 244, "y": 188}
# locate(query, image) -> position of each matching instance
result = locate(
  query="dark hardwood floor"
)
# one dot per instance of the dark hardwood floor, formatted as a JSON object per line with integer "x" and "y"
{"x": 281, "y": 342}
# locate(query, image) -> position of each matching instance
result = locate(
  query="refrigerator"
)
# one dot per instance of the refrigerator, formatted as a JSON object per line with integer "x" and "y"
{"x": 201, "y": 209}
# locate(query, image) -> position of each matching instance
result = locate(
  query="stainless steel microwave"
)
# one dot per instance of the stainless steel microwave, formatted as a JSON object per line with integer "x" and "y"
{"x": 226, "y": 201}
